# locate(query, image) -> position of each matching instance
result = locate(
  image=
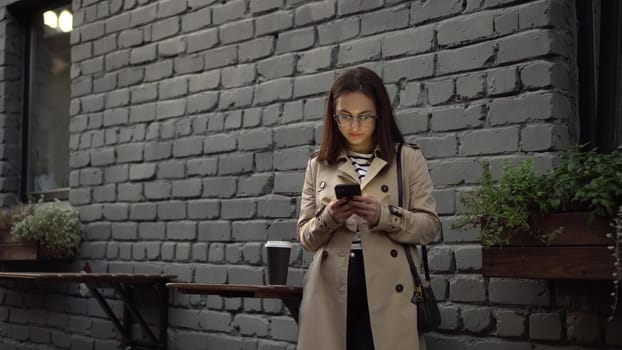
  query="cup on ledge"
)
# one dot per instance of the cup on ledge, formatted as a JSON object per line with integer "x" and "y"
{"x": 278, "y": 261}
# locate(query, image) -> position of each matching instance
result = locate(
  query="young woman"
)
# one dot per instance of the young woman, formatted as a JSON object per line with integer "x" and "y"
{"x": 358, "y": 287}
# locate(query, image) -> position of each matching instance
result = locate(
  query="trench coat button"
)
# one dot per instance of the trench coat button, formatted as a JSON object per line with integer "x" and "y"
{"x": 393, "y": 253}
{"x": 324, "y": 254}
{"x": 384, "y": 188}
{"x": 399, "y": 288}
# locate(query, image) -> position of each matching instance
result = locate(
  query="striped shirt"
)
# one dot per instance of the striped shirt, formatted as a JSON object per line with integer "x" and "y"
{"x": 361, "y": 162}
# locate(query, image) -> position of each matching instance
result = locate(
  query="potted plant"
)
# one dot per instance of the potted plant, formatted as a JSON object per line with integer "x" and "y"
{"x": 552, "y": 225}
{"x": 39, "y": 231}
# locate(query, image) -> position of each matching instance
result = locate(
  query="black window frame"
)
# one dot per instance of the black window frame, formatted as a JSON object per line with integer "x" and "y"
{"x": 23, "y": 11}
{"x": 599, "y": 61}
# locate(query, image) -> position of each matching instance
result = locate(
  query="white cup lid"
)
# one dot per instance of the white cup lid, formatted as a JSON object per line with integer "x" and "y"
{"x": 279, "y": 244}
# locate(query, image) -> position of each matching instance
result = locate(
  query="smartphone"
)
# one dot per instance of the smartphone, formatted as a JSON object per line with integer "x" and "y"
{"x": 347, "y": 190}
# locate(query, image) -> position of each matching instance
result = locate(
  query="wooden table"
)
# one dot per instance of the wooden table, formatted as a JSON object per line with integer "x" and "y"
{"x": 120, "y": 282}
{"x": 291, "y": 296}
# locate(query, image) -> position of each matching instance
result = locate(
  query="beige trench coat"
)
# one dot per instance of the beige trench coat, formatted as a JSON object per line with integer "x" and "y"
{"x": 322, "y": 322}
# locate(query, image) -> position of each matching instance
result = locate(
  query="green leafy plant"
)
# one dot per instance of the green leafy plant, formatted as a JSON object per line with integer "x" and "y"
{"x": 52, "y": 224}
{"x": 586, "y": 180}
{"x": 583, "y": 180}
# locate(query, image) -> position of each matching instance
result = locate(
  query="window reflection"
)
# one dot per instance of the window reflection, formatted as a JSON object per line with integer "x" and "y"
{"x": 48, "y": 134}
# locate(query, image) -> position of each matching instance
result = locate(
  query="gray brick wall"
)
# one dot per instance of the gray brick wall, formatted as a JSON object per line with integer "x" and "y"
{"x": 191, "y": 123}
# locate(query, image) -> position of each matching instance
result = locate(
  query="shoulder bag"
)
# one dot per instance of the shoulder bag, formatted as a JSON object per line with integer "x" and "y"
{"x": 428, "y": 314}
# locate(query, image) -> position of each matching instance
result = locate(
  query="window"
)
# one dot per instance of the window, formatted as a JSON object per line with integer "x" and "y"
{"x": 46, "y": 124}
{"x": 599, "y": 53}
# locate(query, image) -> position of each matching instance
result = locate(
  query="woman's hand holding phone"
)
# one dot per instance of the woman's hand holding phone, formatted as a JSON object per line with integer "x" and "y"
{"x": 340, "y": 209}
{"x": 367, "y": 207}
{"x": 350, "y": 201}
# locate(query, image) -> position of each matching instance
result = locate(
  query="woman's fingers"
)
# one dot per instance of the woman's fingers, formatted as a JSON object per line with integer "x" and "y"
{"x": 366, "y": 207}
{"x": 340, "y": 210}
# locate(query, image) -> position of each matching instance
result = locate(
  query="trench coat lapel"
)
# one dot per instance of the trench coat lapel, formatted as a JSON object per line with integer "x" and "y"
{"x": 376, "y": 166}
{"x": 346, "y": 169}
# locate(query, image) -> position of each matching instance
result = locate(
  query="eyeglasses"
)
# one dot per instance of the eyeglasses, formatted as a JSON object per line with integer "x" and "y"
{"x": 348, "y": 120}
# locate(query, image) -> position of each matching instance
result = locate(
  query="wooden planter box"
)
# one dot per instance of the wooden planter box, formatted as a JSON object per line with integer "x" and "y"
{"x": 18, "y": 250}
{"x": 579, "y": 253}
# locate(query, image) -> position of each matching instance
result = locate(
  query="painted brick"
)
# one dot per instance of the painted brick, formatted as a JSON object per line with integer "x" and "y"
{"x": 230, "y": 11}
{"x": 438, "y": 146}
{"x": 489, "y": 141}
{"x": 338, "y": 31}
{"x": 202, "y": 166}
{"x": 477, "y": 319}
{"x": 359, "y": 50}
{"x": 295, "y": 40}
{"x": 416, "y": 67}
{"x": 346, "y": 7}
{"x": 273, "y": 22}
{"x": 255, "y": 49}
{"x": 313, "y": 84}
{"x": 431, "y": 10}
{"x": 465, "y": 29}
{"x": 530, "y": 44}
{"x": 440, "y": 91}
{"x": 235, "y": 98}
{"x": 314, "y": 12}
{"x": 470, "y": 86}
{"x": 385, "y": 20}
{"x": 288, "y": 183}
{"x": 419, "y": 39}
{"x": 510, "y": 323}
{"x": 258, "y": 6}
{"x": 277, "y": 66}
{"x": 544, "y": 74}
{"x": 542, "y": 137}
{"x": 219, "y": 187}
{"x": 468, "y": 258}
{"x": 224, "y": 56}
{"x": 196, "y": 20}
{"x": 465, "y": 58}
{"x": 502, "y": 81}
{"x": 467, "y": 288}
{"x": 534, "y": 106}
{"x": 315, "y": 60}
{"x": 274, "y": 90}
{"x": 214, "y": 231}
{"x": 203, "y": 40}
{"x": 518, "y": 292}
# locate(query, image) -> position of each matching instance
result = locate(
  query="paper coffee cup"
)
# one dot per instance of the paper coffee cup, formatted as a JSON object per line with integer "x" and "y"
{"x": 278, "y": 253}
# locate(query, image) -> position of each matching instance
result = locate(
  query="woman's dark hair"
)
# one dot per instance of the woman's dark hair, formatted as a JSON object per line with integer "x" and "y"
{"x": 386, "y": 133}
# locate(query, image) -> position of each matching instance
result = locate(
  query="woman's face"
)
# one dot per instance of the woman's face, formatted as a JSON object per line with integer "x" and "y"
{"x": 355, "y": 114}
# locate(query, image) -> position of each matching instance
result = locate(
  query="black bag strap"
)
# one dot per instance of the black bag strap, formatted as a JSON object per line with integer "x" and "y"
{"x": 400, "y": 199}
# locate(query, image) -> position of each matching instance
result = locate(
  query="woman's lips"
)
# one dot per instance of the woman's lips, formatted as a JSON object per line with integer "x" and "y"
{"x": 356, "y": 135}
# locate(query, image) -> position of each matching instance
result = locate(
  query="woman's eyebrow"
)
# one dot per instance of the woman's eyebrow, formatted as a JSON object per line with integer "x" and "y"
{"x": 346, "y": 111}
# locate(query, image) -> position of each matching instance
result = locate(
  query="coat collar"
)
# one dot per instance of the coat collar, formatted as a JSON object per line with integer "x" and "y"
{"x": 347, "y": 169}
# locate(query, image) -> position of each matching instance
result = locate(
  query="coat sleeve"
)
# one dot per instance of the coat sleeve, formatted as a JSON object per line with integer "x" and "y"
{"x": 315, "y": 225}
{"x": 418, "y": 223}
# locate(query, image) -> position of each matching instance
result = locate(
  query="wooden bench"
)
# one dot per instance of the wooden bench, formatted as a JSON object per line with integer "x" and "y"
{"x": 291, "y": 296}
{"x": 120, "y": 282}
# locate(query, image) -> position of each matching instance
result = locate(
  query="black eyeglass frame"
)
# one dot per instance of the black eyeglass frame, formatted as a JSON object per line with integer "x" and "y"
{"x": 358, "y": 119}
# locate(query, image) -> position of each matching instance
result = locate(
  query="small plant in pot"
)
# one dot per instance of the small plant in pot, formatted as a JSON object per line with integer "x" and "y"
{"x": 552, "y": 225}
{"x": 582, "y": 181}
{"x": 53, "y": 225}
